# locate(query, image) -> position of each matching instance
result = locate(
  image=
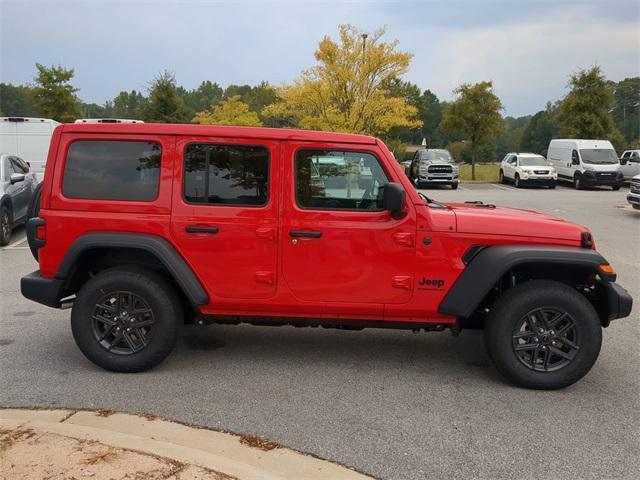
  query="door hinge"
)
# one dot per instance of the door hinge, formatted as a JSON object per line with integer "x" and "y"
{"x": 266, "y": 277}
{"x": 404, "y": 238}
{"x": 401, "y": 281}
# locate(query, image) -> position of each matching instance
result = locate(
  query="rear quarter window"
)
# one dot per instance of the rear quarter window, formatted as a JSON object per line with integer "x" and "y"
{"x": 112, "y": 170}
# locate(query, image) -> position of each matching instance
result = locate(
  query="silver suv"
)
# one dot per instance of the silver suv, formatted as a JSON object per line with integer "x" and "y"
{"x": 433, "y": 166}
{"x": 17, "y": 187}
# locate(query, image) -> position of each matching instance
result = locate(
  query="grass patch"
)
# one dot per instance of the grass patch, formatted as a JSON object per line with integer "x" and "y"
{"x": 485, "y": 172}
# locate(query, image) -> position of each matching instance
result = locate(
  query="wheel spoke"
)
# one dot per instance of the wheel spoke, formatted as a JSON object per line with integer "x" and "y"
{"x": 525, "y": 347}
{"x": 546, "y": 358}
{"x": 569, "y": 343}
{"x": 107, "y": 307}
{"x": 104, "y": 319}
{"x": 116, "y": 339}
{"x": 554, "y": 321}
{"x": 560, "y": 353}
{"x": 524, "y": 334}
{"x": 143, "y": 323}
{"x": 534, "y": 356}
{"x": 129, "y": 341}
{"x": 564, "y": 329}
{"x": 106, "y": 333}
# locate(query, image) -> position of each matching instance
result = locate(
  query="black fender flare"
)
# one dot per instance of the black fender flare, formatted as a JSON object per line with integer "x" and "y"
{"x": 157, "y": 246}
{"x": 490, "y": 263}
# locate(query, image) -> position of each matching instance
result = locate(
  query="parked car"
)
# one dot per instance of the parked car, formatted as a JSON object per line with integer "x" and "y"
{"x": 586, "y": 163}
{"x": 17, "y": 185}
{"x": 143, "y": 226}
{"x": 634, "y": 192}
{"x": 527, "y": 169}
{"x": 630, "y": 163}
{"x": 434, "y": 166}
{"x": 27, "y": 138}
{"x": 406, "y": 165}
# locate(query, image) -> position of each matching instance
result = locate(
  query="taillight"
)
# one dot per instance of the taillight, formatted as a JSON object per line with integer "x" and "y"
{"x": 41, "y": 233}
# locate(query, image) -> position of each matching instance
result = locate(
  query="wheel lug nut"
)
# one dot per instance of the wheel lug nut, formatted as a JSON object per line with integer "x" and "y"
{"x": 541, "y": 330}
{"x": 535, "y": 339}
{"x": 543, "y": 347}
{"x": 551, "y": 332}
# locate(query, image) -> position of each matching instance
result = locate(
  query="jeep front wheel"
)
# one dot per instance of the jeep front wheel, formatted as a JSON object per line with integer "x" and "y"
{"x": 543, "y": 335}
{"x": 126, "y": 320}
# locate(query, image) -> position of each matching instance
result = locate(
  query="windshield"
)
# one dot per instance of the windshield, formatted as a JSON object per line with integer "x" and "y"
{"x": 441, "y": 155}
{"x": 599, "y": 156}
{"x": 533, "y": 162}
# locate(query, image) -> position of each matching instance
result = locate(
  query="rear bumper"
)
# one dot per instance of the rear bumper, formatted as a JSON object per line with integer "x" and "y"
{"x": 47, "y": 291}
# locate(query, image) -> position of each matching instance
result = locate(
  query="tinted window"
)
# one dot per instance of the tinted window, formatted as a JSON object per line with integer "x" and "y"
{"x": 226, "y": 174}
{"x": 112, "y": 170}
{"x": 327, "y": 179}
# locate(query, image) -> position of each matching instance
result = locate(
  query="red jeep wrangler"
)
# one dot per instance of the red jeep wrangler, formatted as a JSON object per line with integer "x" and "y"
{"x": 144, "y": 226}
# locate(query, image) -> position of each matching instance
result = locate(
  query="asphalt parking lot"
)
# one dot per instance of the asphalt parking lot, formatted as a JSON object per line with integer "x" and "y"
{"x": 390, "y": 403}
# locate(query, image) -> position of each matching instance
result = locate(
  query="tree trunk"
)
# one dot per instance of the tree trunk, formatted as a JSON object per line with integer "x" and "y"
{"x": 473, "y": 164}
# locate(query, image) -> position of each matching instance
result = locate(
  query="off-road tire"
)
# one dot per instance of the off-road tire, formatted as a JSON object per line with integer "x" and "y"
{"x": 504, "y": 320}
{"x": 34, "y": 204}
{"x": 156, "y": 292}
{"x": 5, "y": 225}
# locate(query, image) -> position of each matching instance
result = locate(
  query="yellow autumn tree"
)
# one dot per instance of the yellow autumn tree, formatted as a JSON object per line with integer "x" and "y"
{"x": 346, "y": 91}
{"x": 230, "y": 111}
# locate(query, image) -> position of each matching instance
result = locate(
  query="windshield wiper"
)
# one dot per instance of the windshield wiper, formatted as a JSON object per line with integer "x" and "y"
{"x": 431, "y": 202}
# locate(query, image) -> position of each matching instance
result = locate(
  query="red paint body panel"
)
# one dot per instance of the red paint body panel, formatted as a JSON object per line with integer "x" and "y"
{"x": 366, "y": 264}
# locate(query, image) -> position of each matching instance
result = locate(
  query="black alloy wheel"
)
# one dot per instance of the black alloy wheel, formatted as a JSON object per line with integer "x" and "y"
{"x": 546, "y": 339}
{"x": 123, "y": 323}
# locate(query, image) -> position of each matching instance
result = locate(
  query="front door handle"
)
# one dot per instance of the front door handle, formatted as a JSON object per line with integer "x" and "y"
{"x": 201, "y": 229}
{"x": 305, "y": 234}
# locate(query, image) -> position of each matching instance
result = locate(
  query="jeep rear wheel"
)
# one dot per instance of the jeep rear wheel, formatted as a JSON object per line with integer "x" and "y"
{"x": 126, "y": 320}
{"x": 543, "y": 335}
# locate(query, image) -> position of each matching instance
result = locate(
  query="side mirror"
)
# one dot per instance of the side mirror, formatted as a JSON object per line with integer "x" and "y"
{"x": 16, "y": 177}
{"x": 575, "y": 161}
{"x": 392, "y": 199}
{"x": 623, "y": 161}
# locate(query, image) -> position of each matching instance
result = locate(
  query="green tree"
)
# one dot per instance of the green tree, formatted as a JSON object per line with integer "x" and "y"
{"x": 410, "y": 92}
{"x": 129, "y": 105}
{"x": 475, "y": 116}
{"x": 509, "y": 140}
{"x": 539, "y": 132}
{"x": 54, "y": 95}
{"x": 626, "y": 109}
{"x": 165, "y": 104}
{"x": 17, "y": 101}
{"x": 430, "y": 110}
{"x": 346, "y": 91}
{"x": 231, "y": 111}
{"x": 585, "y": 111}
{"x": 202, "y": 98}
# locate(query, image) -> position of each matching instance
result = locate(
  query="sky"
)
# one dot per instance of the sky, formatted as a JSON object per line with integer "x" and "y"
{"x": 527, "y": 48}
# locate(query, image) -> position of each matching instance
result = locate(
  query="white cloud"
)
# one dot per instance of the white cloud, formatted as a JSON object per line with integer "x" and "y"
{"x": 528, "y": 59}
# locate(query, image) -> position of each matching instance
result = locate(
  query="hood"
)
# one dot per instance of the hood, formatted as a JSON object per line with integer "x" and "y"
{"x": 472, "y": 218}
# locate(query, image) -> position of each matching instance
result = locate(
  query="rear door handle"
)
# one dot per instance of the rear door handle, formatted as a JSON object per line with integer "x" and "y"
{"x": 305, "y": 234}
{"x": 201, "y": 229}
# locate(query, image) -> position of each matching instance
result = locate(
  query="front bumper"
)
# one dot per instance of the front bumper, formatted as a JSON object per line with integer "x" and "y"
{"x": 47, "y": 291}
{"x": 633, "y": 199}
{"x": 544, "y": 181}
{"x": 615, "y": 301}
{"x": 598, "y": 178}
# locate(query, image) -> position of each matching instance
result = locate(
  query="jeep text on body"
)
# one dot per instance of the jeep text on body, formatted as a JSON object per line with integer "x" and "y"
{"x": 143, "y": 226}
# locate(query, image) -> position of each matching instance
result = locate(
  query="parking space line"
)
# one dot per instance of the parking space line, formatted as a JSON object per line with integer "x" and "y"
{"x": 15, "y": 244}
{"x": 502, "y": 187}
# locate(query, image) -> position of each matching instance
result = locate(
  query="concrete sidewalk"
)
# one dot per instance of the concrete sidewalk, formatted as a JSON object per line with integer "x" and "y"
{"x": 80, "y": 444}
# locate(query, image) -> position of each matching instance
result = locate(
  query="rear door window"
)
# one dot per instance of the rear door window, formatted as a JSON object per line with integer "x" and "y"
{"x": 112, "y": 170}
{"x": 226, "y": 174}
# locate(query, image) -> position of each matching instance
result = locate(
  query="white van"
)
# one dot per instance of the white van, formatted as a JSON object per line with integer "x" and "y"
{"x": 585, "y": 162}
{"x": 27, "y": 138}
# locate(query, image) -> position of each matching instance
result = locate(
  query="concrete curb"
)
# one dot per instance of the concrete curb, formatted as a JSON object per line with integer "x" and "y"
{"x": 245, "y": 458}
